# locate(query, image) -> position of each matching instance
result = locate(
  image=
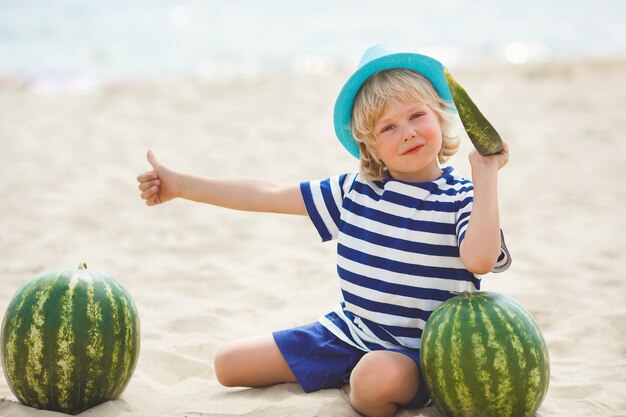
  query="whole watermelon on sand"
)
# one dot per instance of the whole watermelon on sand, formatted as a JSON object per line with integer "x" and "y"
{"x": 70, "y": 340}
{"x": 482, "y": 354}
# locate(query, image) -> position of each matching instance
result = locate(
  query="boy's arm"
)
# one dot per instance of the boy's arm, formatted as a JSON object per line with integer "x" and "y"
{"x": 163, "y": 184}
{"x": 481, "y": 246}
{"x": 243, "y": 194}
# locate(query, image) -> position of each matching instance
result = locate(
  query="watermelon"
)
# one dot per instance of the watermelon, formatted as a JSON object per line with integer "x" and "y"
{"x": 69, "y": 340}
{"x": 482, "y": 354}
{"x": 483, "y": 135}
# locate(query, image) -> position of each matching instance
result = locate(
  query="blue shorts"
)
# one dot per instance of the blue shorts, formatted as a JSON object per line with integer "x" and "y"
{"x": 319, "y": 359}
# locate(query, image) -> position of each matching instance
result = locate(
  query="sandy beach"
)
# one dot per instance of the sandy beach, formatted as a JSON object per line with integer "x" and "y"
{"x": 202, "y": 276}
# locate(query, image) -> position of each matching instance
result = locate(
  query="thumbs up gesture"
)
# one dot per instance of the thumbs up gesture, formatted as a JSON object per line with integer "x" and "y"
{"x": 159, "y": 185}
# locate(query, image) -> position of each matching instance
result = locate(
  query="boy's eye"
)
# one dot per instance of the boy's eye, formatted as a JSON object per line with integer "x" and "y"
{"x": 416, "y": 115}
{"x": 386, "y": 128}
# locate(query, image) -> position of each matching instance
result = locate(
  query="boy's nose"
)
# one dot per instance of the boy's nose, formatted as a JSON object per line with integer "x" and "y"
{"x": 410, "y": 134}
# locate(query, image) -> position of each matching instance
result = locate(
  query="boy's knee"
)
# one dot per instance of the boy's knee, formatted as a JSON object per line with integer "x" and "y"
{"x": 370, "y": 379}
{"x": 381, "y": 378}
{"x": 222, "y": 364}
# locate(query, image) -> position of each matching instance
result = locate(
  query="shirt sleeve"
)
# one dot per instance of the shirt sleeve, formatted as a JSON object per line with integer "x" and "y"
{"x": 463, "y": 215}
{"x": 323, "y": 200}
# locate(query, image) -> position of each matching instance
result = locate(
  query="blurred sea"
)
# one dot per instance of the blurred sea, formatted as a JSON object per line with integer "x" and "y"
{"x": 124, "y": 39}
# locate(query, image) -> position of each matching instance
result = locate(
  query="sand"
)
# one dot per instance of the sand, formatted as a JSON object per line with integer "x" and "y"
{"x": 202, "y": 276}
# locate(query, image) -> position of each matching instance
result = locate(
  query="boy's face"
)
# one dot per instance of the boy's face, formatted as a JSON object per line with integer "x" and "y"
{"x": 409, "y": 139}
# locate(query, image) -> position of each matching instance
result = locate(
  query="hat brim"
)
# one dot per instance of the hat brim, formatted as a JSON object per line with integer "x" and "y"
{"x": 430, "y": 68}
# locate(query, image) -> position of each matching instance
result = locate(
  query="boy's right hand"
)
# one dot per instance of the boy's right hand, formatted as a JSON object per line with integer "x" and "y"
{"x": 159, "y": 185}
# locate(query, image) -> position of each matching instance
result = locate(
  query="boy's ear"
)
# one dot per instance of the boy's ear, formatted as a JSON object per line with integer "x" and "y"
{"x": 374, "y": 154}
{"x": 371, "y": 150}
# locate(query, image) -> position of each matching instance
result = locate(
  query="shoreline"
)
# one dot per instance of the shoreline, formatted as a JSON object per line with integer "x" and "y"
{"x": 79, "y": 83}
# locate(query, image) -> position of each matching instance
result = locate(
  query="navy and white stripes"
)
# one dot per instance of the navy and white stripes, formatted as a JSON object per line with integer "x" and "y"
{"x": 397, "y": 253}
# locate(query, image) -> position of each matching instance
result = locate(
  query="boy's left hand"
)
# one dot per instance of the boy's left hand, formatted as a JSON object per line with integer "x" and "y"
{"x": 496, "y": 160}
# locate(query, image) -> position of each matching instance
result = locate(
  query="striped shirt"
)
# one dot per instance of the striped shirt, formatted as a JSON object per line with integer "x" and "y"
{"x": 397, "y": 253}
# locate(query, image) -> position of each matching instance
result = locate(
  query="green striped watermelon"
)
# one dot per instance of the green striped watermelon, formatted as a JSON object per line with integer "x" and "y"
{"x": 483, "y": 355}
{"x": 70, "y": 340}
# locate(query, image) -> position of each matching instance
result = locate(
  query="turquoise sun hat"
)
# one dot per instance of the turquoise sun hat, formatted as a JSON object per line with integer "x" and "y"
{"x": 375, "y": 59}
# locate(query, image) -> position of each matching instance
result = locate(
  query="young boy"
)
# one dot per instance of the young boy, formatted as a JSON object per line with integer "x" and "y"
{"x": 409, "y": 232}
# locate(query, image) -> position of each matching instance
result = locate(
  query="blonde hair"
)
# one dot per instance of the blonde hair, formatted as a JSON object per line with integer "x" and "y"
{"x": 372, "y": 101}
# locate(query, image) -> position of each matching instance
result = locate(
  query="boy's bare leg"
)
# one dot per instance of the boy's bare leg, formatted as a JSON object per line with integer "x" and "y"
{"x": 381, "y": 381}
{"x": 253, "y": 362}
